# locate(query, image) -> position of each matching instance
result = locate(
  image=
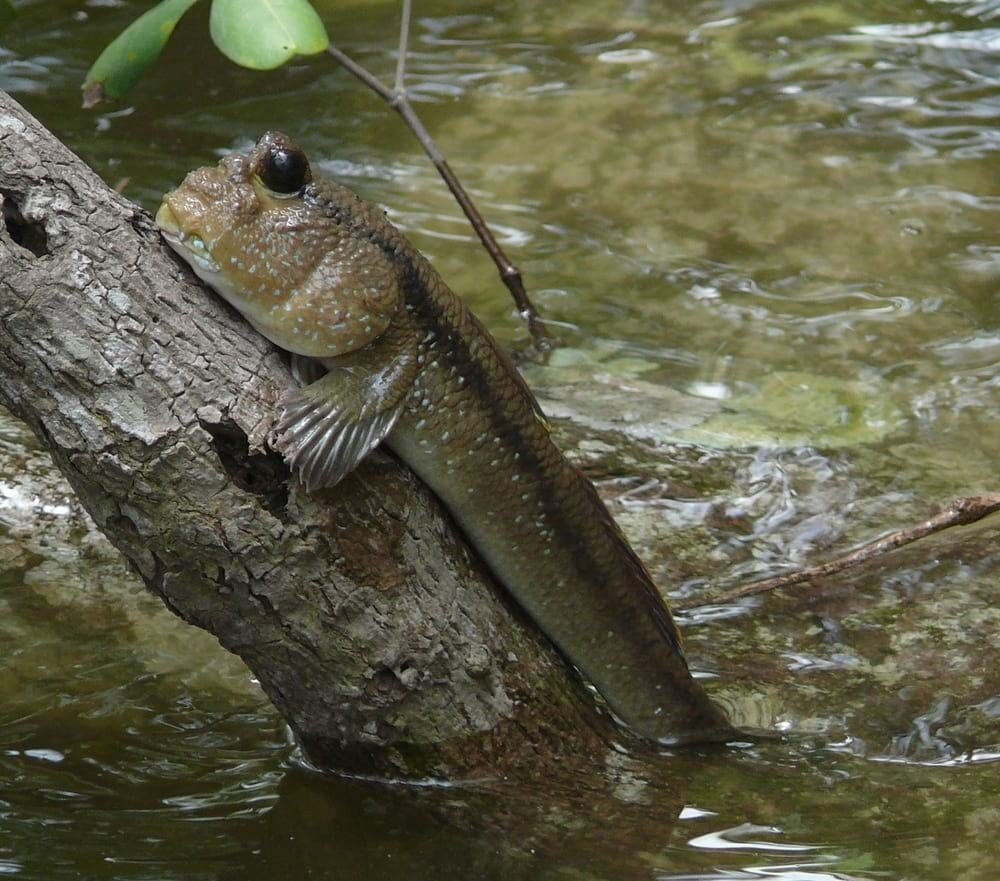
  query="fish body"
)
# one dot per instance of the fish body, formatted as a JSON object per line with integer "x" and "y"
{"x": 325, "y": 275}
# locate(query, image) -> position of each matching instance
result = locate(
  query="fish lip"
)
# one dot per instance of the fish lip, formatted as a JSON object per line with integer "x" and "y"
{"x": 167, "y": 222}
{"x": 191, "y": 248}
{"x": 175, "y": 240}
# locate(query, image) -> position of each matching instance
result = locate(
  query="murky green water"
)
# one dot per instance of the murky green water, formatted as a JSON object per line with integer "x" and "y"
{"x": 770, "y": 234}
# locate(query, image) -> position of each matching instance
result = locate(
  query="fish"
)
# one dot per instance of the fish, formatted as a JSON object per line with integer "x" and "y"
{"x": 326, "y": 276}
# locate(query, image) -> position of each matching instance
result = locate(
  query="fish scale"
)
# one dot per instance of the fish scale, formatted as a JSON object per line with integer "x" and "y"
{"x": 325, "y": 275}
{"x": 538, "y": 522}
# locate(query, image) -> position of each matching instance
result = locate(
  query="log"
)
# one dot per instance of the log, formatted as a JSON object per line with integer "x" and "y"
{"x": 382, "y": 642}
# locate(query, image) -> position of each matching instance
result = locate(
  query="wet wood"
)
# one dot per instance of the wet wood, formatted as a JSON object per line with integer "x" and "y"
{"x": 960, "y": 512}
{"x": 382, "y": 642}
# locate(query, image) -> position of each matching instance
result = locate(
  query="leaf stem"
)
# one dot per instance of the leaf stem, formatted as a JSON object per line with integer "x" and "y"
{"x": 399, "y": 100}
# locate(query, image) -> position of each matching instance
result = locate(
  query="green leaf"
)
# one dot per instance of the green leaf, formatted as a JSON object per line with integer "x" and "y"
{"x": 127, "y": 56}
{"x": 264, "y": 34}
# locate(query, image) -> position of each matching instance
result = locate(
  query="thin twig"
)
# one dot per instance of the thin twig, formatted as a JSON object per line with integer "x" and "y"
{"x": 369, "y": 79}
{"x": 399, "y": 100}
{"x": 961, "y": 512}
{"x": 404, "y": 45}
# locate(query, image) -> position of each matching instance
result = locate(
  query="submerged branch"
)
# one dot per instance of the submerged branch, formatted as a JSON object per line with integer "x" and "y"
{"x": 961, "y": 512}
{"x": 399, "y": 100}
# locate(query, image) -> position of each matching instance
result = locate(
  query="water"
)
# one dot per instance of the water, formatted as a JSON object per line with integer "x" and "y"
{"x": 767, "y": 233}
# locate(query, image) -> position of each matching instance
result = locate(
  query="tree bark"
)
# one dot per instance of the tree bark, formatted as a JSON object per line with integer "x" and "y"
{"x": 380, "y": 640}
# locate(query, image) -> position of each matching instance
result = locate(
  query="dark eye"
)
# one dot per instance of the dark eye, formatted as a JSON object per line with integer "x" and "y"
{"x": 284, "y": 169}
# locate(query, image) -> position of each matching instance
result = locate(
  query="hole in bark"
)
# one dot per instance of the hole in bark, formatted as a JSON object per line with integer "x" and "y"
{"x": 26, "y": 233}
{"x": 385, "y": 684}
{"x": 264, "y": 475}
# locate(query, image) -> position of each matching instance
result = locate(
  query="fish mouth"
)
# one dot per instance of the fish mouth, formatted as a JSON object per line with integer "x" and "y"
{"x": 190, "y": 246}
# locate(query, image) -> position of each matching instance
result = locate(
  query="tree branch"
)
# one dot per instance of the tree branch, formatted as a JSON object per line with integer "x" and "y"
{"x": 377, "y": 637}
{"x": 961, "y": 512}
{"x": 404, "y": 45}
{"x": 399, "y": 100}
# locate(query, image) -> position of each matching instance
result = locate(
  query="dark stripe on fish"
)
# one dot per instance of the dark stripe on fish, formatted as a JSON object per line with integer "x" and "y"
{"x": 426, "y": 312}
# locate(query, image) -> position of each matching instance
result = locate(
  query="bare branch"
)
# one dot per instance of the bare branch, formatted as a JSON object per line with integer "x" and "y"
{"x": 381, "y": 641}
{"x": 404, "y": 40}
{"x": 363, "y": 74}
{"x": 961, "y": 512}
{"x": 398, "y": 99}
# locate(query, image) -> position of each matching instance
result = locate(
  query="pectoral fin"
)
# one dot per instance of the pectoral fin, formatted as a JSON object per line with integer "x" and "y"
{"x": 330, "y": 425}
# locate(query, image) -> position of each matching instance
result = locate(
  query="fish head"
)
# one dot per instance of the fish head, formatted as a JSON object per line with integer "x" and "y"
{"x": 273, "y": 242}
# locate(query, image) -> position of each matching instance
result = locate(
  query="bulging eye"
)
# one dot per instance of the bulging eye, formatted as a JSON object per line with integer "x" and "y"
{"x": 284, "y": 169}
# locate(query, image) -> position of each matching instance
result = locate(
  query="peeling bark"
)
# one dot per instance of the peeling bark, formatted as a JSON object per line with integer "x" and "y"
{"x": 381, "y": 641}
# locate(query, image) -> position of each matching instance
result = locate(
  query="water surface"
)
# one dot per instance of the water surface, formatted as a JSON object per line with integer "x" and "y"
{"x": 767, "y": 234}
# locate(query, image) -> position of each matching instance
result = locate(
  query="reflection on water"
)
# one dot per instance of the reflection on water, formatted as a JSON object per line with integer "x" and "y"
{"x": 767, "y": 235}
